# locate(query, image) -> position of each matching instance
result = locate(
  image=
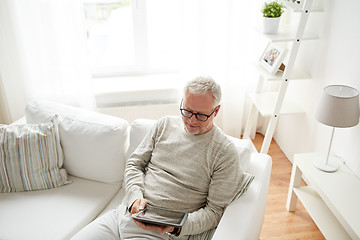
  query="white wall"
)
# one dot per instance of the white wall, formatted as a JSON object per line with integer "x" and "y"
{"x": 334, "y": 59}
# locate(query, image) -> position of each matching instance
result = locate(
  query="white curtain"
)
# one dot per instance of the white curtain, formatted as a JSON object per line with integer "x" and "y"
{"x": 43, "y": 52}
{"x": 218, "y": 42}
{"x": 4, "y": 108}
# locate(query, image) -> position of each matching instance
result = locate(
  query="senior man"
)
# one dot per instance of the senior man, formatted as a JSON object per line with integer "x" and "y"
{"x": 185, "y": 164}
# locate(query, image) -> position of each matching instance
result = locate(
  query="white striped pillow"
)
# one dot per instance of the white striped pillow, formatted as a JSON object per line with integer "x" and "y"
{"x": 31, "y": 157}
{"x": 245, "y": 183}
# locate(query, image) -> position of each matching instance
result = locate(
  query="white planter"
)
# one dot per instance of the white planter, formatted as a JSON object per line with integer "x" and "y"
{"x": 271, "y": 25}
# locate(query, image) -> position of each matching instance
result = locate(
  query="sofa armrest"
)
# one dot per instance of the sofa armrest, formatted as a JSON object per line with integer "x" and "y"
{"x": 243, "y": 218}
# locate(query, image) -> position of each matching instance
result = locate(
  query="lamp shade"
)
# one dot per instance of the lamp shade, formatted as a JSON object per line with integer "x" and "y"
{"x": 339, "y": 106}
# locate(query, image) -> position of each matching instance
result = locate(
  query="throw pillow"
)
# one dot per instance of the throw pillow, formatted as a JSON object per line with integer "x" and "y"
{"x": 245, "y": 183}
{"x": 31, "y": 157}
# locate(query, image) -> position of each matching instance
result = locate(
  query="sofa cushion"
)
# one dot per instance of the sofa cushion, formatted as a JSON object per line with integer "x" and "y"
{"x": 31, "y": 157}
{"x": 54, "y": 214}
{"x": 138, "y": 129}
{"x": 94, "y": 144}
{"x": 241, "y": 144}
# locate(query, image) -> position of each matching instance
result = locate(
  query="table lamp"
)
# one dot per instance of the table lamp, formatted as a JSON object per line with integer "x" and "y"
{"x": 339, "y": 107}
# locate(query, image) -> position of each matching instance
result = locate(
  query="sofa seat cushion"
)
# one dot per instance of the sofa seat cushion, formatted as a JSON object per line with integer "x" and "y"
{"x": 115, "y": 202}
{"x": 54, "y": 213}
{"x": 94, "y": 144}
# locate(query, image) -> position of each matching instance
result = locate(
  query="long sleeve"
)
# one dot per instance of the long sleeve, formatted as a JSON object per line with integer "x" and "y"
{"x": 224, "y": 184}
{"x": 136, "y": 167}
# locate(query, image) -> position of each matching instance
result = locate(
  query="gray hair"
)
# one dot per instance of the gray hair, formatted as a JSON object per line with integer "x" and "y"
{"x": 202, "y": 85}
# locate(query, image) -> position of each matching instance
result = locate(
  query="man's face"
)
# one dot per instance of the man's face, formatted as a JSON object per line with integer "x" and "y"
{"x": 199, "y": 104}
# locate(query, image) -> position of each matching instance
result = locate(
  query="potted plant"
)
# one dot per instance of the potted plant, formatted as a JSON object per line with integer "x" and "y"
{"x": 272, "y": 12}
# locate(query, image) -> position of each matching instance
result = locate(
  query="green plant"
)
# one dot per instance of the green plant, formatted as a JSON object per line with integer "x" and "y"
{"x": 272, "y": 9}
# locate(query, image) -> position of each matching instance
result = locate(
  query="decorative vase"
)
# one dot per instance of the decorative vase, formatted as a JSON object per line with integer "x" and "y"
{"x": 271, "y": 25}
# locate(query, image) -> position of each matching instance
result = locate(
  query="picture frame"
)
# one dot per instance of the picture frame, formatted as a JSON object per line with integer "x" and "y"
{"x": 272, "y": 57}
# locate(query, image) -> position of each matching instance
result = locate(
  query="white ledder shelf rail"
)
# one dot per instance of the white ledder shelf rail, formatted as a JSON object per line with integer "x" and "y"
{"x": 332, "y": 199}
{"x": 275, "y": 103}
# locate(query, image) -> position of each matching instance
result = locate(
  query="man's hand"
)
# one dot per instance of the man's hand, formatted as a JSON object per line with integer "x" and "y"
{"x": 137, "y": 206}
{"x": 156, "y": 228}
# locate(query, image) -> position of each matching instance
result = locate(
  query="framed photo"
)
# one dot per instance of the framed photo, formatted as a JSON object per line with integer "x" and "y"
{"x": 272, "y": 57}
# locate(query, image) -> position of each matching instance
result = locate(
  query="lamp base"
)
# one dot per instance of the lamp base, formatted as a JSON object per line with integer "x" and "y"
{"x": 329, "y": 166}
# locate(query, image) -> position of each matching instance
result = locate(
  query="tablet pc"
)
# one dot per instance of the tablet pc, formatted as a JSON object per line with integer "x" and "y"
{"x": 160, "y": 216}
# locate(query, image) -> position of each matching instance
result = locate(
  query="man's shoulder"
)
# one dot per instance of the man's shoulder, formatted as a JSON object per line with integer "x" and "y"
{"x": 223, "y": 139}
{"x": 169, "y": 121}
{"x": 220, "y": 135}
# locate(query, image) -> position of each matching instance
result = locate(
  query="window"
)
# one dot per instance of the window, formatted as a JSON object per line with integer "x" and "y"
{"x": 133, "y": 36}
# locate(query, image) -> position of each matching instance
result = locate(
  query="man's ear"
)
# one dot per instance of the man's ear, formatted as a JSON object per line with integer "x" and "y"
{"x": 217, "y": 110}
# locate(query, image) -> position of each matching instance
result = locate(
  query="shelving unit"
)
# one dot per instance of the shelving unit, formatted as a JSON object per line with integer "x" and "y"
{"x": 274, "y": 104}
{"x": 265, "y": 102}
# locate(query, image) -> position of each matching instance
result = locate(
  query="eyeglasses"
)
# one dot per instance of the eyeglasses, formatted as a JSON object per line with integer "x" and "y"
{"x": 199, "y": 116}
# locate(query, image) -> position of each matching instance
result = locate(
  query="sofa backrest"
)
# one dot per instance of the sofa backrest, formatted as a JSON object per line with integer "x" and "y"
{"x": 140, "y": 127}
{"x": 94, "y": 144}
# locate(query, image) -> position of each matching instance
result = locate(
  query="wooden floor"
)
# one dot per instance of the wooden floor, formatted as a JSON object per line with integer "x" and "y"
{"x": 279, "y": 223}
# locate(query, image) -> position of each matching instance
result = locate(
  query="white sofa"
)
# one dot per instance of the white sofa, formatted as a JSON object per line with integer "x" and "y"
{"x": 95, "y": 148}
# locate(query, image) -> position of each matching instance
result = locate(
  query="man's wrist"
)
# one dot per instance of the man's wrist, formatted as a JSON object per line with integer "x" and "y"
{"x": 130, "y": 207}
{"x": 176, "y": 231}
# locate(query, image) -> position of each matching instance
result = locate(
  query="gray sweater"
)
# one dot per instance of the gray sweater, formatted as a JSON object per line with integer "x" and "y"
{"x": 198, "y": 174}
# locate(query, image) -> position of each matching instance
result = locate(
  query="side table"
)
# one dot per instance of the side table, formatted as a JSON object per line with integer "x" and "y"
{"x": 332, "y": 199}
